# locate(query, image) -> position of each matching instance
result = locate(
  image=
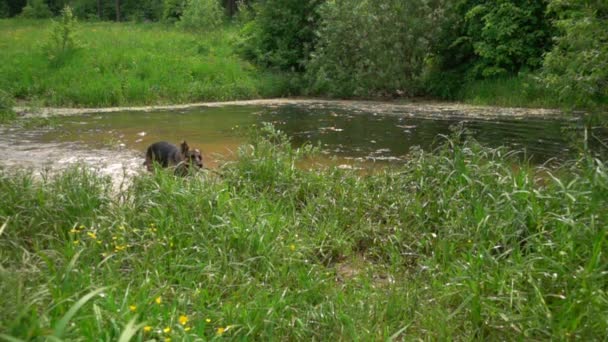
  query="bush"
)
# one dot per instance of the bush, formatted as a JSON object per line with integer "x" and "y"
{"x": 63, "y": 35}
{"x": 173, "y": 10}
{"x": 372, "y": 47}
{"x": 282, "y": 34}
{"x": 200, "y": 15}
{"x": 577, "y": 66}
{"x": 36, "y": 9}
{"x": 508, "y": 36}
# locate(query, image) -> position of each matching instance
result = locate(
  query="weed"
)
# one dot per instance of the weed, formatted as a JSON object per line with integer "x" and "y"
{"x": 456, "y": 244}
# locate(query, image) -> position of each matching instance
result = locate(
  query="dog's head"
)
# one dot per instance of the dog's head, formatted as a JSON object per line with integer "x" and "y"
{"x": 191, "y": 157}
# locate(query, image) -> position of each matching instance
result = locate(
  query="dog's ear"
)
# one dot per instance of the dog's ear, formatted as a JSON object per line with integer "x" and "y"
{"x": 184, "y": 147}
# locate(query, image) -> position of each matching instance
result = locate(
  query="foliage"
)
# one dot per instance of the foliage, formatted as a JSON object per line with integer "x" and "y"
{"x": 484, "y": 39}
{"x": 131, "y": 64}
{"x": 282, "y": 34}
{"x": 456, "y": 244}
{"x": 5, "y": 10}
{"x": 36, "y": 9}
{"x": 201, "y": 15}
{"x": 508, "y": 36}
{"x": 63, "y": 39}
{"x": 372, "y": 47}
{"x": 173, "y": 9}
{"x": 578, "y": 64}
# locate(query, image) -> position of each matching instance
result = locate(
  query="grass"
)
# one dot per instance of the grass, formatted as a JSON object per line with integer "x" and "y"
{"x": 456, "y": 244}
{"x": 129, "y": 64}
{"x": 521, "y": 91}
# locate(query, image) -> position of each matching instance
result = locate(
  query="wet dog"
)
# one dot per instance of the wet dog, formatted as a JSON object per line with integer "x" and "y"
{"x": 168, "y": 155}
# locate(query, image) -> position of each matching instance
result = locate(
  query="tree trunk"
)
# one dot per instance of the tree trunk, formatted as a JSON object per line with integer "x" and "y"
{"x": 99, "y": 9}
{"x": 117, "y": 10}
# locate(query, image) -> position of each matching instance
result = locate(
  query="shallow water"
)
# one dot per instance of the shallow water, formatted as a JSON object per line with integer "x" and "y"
{"x": 350, "y": 135}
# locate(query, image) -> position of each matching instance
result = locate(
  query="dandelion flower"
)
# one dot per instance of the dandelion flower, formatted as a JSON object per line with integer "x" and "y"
{"x": 147, "y": 328}
{"x": 292, "y": 247}
{"x": 208, "y": 320}
{"x": 92, "y": 235}
{"x": 158, "y": 300}
{"x": 183, "y": 319}
{"x": 220, "y": 330}
{"x": 133, "y": 308}
{"x": 167, "y": 330}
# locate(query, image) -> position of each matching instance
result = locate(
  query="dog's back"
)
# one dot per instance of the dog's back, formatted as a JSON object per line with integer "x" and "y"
{"x": 162, "y": 153}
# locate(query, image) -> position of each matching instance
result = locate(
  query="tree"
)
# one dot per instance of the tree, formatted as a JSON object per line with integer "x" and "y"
{"x": 577, "y": 66}
{"x": 282, "y": 34}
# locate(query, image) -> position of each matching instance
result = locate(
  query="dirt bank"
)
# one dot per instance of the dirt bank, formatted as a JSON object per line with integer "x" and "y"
{"x": 421, "y": 109}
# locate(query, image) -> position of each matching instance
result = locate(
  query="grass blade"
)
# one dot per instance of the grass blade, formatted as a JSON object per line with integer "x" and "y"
{"x": 63, "y": 322}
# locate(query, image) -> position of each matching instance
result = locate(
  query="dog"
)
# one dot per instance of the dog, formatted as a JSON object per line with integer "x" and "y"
{"x": 169, "y": 155}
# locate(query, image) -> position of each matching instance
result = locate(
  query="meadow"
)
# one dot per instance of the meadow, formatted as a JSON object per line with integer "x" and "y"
{"x": 462, "y": 243}
{"x": 128, "y": 64}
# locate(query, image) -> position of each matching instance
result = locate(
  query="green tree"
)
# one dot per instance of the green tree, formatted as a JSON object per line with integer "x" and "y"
{"x": 577, "y": 66}
{"x": 372, "y": 47}
{"x": 282, "y": 34}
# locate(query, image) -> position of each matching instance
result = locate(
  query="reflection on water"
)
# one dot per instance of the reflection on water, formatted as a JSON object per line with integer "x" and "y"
{"x": 346, "y": 134}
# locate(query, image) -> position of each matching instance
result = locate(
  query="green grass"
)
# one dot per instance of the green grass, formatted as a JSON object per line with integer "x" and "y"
{"x": 522, "y": 91}
{"x": 129, "y": 64}
{"x": 456, "y": 244}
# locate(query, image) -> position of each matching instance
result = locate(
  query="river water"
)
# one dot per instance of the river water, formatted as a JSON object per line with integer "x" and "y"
{"x": 354, "y": 135}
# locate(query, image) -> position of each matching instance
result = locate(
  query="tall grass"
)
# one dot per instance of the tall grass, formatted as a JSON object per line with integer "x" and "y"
{"x": 129, "y": 64}
{"x": 456, "y": 244}
{"x": 520, "y": 91}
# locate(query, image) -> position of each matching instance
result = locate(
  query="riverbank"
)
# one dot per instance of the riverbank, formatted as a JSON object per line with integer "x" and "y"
{"x": 456, "y": 244}
{"x": 422, "y": 109}
{"x": 128, "y": 65}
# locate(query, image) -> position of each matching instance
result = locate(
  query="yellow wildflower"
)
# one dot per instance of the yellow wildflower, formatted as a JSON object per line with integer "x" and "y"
{"x": 74, "y": 230}
{"x": 147, "y": 328}
{"x": 167, "y": 339}
{"x": 133, "y": 308}
{"x": 92, "y": 235}
{"x": 158, "y": 300}
{"x": 292, "y": 247}
{"x": 167, "y": 330}
{"x": 186, "y": 329}
{"x": 183, "y": 319}
{"x": 220, "y": 330}
{"x": 208, "y": 320}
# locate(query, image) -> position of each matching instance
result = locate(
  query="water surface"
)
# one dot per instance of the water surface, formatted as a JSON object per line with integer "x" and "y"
{"x": 349, "y": 135}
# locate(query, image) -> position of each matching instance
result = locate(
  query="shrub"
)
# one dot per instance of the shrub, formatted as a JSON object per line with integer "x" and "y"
{"x": 200, "y": 15}
{"x": 173, "y": 10}
{"x": 63, "y": 36}
{"x": 372, "y": 47}
{"x": 282, "y": 34}
{"x": 36, "y": 9}
{"x": 577, "y": 66}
